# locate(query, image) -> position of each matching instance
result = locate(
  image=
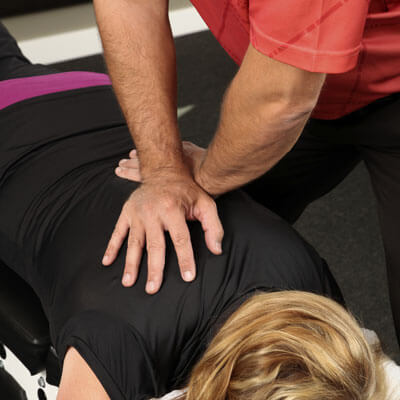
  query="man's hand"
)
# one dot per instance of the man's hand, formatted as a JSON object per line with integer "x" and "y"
{"x": 193, "y": 155}
{"x": 163, "y": 204}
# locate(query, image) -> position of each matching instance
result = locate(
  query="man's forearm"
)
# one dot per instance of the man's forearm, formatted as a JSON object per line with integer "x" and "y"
{"x": 263, "y": 114}
{"x": 140, "y": 55}
{"x": 246, "y": 145}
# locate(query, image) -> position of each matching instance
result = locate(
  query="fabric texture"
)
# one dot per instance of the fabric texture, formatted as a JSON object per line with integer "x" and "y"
{"x": 356, "y": 42}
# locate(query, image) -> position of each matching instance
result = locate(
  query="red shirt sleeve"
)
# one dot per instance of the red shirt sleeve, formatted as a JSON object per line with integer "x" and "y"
{"x": 314, "y": 35}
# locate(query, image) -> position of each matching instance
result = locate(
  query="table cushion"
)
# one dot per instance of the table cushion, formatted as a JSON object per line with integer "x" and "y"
{"x": 23, "y": 326}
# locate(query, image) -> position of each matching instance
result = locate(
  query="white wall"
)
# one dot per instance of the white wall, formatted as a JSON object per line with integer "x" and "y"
{"x": 67, "y": 33}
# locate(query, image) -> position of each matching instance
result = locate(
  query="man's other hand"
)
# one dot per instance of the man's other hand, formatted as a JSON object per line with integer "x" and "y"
{"x": 193, "y": 155}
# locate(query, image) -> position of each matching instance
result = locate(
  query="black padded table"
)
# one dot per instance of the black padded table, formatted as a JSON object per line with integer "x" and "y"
{"x": 24, "y": 327}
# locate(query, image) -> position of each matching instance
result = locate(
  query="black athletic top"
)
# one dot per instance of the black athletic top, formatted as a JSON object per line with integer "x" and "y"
{"x": 59, "y": 202}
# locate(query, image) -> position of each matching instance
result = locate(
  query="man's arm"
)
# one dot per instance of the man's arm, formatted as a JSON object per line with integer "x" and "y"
{"x": 263, "y": 114}
{"x": 140, "y": 55}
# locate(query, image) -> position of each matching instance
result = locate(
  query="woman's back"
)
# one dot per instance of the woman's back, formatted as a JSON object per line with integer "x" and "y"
{"x": 59, "y": 202}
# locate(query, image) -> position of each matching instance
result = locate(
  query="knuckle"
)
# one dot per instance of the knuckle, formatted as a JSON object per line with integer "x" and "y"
{"x": 154, "y": 245}
{"x": 117, "y": 233}
{"x": 210, "y": 203}
{"x": 181, "y": 240}
{"x": 168, "y": 203}
{"x": 128, "y": 163}
{"x": 135, "y": 241}
{"x": 197, "y": 212}
{"x": 205, "y": 202}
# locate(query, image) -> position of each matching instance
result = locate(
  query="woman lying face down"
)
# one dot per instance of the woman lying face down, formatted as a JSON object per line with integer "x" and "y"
{"x": 289, "y": 345}
{"x": 246, "y": 328}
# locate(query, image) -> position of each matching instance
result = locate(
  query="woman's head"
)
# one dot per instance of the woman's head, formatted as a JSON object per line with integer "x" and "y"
{"x": 288, "y": 346}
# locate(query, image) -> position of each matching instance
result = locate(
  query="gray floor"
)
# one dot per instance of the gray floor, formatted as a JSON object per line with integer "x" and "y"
{"x": 342, "y": 226}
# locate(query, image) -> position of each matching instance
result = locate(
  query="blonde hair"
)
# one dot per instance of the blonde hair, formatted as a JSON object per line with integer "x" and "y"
{"x": 288, "y": 345}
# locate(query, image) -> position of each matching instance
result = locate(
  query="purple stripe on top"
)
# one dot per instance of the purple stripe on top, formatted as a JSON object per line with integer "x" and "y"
{"x": 15, "y": 90}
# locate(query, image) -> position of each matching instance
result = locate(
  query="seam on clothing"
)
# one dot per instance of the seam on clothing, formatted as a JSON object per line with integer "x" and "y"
{"x": 357, "y": 80}
{"x": 338, "y": 53}
{"x": 239, "y": 20}
{"x": 222, "y": 27}
{"x": 318, "y": 37}
{"x": 76, "y": 342}
{"x": 377, "y": 24}
{"x": 356, "y": 101}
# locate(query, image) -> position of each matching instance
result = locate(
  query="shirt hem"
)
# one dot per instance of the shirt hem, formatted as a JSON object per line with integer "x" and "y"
{"x": 332, "y": 62}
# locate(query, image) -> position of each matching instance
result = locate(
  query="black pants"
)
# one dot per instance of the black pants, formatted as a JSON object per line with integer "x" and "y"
{"x": 325, "y": 154}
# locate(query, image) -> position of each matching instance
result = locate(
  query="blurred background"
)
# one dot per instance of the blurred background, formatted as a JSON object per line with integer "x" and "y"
{"x": 343, "y": 225}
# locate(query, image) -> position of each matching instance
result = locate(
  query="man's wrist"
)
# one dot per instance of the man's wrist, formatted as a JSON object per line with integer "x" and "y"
{"x": 161, "y": 161}
{"x": 206, "y": 183}
{"x": 166, "y": 172}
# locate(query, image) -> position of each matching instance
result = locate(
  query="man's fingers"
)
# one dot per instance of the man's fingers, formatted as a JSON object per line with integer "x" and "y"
{"x": 129, "y": 163}
{"x": 133, "y": 153}
{"x": 155, "y": 242}
{"x": 115, "y": 243}
{"x": 132, "y": 174}
{"x": 180, "y": 236}
{"x": 206, "y": 212}
{"x": 133, "y": 256}
{"x": 129, "y": 169}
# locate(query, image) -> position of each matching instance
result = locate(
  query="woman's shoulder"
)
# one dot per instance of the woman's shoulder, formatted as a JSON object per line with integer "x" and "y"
{"x": 266, "y": 250}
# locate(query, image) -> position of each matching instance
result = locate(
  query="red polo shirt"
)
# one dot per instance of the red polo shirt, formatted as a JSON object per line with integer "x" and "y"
{"x": 357, "y": 42}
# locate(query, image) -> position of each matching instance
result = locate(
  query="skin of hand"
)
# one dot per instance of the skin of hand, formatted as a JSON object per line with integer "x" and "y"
{"x": 130, "y": 168}
{"x": 140, "y": 55}
{"x": 163, "y": 203}
{"x": 264, "y": 111}
{"x": 272, "y": 115}
{"x": 263, "y": 114}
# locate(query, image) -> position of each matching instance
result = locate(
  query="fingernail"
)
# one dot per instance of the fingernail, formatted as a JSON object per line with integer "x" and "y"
{"x": 118, "y": 170}
{"x": 151, "y": 286}
{"x": 127, "y": 279}
{"x": 123, "y": 161}
{"x": 218, "y": 246}
{"x": 188, "y": 276}
{"x": 106, "y": 259}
